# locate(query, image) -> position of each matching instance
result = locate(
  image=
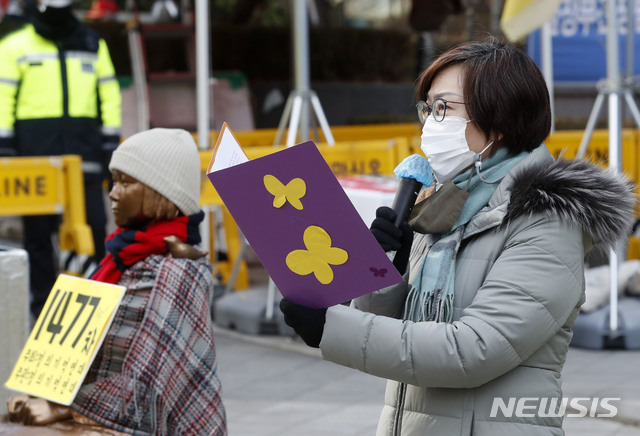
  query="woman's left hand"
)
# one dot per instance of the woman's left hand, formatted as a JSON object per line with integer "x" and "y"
{"x": 392, "y": 237}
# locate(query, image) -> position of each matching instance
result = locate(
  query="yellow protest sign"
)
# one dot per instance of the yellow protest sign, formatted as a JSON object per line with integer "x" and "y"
{"x": 65, "y": 338}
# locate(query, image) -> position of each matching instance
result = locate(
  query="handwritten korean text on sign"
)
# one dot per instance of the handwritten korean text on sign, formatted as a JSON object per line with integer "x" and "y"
{"x": 65, "y": 338}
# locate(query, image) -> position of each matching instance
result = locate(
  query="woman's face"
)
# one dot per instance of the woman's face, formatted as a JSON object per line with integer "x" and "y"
{"x": 127, "y": 199}
{"x": 447, "y": 85}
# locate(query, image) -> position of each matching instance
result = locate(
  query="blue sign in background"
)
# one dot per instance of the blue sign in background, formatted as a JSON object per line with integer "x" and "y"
{"x": 579, "y": 40}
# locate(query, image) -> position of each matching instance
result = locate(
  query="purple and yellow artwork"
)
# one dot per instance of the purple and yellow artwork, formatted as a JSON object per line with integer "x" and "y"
{"x": 303, "y": 227}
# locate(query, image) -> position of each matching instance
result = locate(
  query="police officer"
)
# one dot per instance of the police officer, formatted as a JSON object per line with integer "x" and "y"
{"x": 58, "y": 95}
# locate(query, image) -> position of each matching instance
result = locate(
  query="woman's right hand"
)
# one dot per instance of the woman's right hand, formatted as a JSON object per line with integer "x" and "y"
{"x": 393, "y": 238}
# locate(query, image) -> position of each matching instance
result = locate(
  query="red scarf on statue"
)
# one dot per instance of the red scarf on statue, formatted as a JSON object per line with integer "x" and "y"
{"x": 125, "y": 247}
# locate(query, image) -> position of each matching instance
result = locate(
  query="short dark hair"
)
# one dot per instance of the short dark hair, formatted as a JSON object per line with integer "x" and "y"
{"x": 504, "y": 91}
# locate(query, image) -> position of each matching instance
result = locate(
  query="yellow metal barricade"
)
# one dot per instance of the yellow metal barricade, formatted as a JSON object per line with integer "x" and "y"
{"x": 565, "y": 143}
{"x": 341, "y": 134}
{"x": 49, "y": 185}
{"x": 353, "y": 157}
{"x": 633, "y": 248}
{"x": 31, "y": 186}
{"x": 371, "y": 157}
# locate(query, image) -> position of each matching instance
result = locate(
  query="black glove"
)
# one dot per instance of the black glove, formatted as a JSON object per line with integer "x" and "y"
{"x": 308, "y": 323}
{"x": 392, "y": 238}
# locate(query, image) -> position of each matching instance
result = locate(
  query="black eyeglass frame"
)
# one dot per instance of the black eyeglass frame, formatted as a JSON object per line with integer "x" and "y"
{"x": 425, "y": 109}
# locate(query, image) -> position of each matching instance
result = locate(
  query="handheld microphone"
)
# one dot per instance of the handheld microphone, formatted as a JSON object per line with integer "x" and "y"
{"x": 414, "y": 172}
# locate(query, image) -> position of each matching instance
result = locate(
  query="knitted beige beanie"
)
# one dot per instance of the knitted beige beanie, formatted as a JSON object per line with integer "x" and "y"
{"x": 167, "y": 161}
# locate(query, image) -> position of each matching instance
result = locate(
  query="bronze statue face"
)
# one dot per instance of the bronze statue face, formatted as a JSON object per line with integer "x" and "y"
{"x": 135, "y": 205}
{"x": 127, "y": 197}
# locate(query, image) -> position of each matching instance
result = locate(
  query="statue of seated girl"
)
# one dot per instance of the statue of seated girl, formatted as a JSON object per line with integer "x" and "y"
{"x": 155, "y": 372}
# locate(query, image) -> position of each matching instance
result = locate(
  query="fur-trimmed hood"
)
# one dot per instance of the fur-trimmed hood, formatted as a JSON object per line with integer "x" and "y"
{"x": 601, "y": 201}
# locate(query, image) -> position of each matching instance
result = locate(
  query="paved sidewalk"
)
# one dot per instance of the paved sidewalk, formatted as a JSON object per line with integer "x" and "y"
{"x": 275, "y": 385}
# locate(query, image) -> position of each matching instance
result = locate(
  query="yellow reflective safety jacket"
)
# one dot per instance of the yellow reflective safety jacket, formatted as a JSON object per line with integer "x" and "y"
{"x": 58, "y": 97}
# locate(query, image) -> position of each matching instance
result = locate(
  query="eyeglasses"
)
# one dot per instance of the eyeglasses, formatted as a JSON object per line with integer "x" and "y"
{"x": 438, "y": 109}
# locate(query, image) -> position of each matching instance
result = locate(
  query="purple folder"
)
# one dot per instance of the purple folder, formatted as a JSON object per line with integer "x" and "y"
{"x": 303, "y": 227}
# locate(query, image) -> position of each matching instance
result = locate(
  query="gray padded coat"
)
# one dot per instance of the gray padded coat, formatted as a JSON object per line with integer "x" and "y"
{"x": 519, "y": 285}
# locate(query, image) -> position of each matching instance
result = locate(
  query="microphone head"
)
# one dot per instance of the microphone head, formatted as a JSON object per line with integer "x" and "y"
{"x": 415, "y": 167}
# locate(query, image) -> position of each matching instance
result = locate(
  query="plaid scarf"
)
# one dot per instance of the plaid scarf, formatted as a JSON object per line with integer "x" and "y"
{"x": 126, "y": 247}
{"x": 431, "y": 295}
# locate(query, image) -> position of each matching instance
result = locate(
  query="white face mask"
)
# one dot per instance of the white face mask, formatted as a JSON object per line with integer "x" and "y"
{"x": 445, "y": 145}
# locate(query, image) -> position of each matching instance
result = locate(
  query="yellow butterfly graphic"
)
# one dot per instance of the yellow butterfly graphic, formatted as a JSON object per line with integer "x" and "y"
{"x": 317, "y": 257}
{"x": 291, "y": 192}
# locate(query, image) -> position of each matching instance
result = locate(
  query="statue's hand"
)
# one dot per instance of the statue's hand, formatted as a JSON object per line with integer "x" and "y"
{"x": 36, "y": 411}
{"x": 182, "y": 250}
{"x": 15, "y": 404}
